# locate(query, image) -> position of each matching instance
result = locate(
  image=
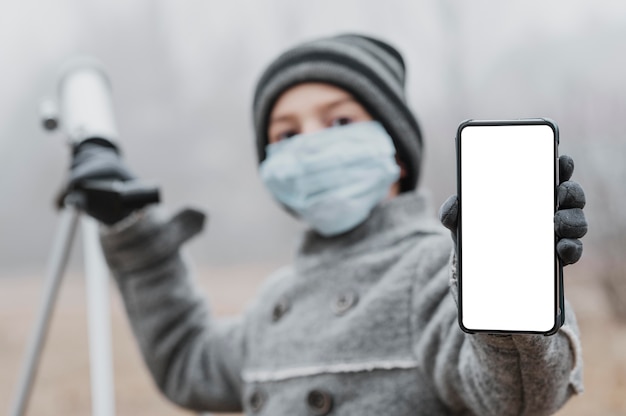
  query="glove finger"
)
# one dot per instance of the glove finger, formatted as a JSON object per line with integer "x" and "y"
{"x": 566, "y": 168}
{"x": 449, "y": 213}
{"x": 570, "y": 195}
{"x": 570, "y": 223}
{"x": 93, "y": 161}
{"x": 105, "y": 169}
{"x": 569, "y": 250}
{"x": 89, "y": 151}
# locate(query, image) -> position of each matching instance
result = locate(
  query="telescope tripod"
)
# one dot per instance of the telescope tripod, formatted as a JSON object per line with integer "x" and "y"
{"x": 117, "y": 196}
{"x": 96, "y": 273}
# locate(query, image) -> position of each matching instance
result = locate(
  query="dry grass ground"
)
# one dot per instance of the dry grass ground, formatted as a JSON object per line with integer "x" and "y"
{"x": 62, "y": 386}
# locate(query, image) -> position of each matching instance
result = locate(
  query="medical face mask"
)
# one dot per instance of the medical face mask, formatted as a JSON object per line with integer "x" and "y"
{"x": 332, "y": 178}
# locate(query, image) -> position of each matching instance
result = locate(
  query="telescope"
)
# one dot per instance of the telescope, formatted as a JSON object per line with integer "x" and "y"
{"x": 83, "y": 111}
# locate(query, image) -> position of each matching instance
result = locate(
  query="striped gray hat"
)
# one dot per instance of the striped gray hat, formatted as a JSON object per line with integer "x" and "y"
{"x": 369, "y": 69}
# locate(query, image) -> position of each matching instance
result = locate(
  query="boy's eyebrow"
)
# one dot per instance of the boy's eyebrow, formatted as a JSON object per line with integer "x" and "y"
{"x": 285, "y": 117}
{"x": 338, "y": 102}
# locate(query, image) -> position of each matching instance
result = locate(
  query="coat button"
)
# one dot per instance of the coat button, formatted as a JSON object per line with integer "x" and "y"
{"x": 256, "y": 400}
{"x": 281, "y": 307}
{"x": 319, "y": 402}
{"x": 344, "y": 302}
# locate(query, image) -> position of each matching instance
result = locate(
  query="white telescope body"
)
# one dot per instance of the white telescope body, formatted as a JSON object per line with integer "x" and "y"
{"x": 86, "y": 108}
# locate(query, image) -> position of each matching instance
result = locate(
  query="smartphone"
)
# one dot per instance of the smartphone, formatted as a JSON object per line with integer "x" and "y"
{"x": 509, "y": 275}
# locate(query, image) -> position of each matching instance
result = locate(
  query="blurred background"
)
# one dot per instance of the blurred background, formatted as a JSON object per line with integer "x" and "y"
{"x": 183, "y": 75}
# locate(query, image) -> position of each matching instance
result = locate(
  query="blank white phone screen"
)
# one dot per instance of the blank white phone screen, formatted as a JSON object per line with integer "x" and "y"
{"x": 507, "y": 187}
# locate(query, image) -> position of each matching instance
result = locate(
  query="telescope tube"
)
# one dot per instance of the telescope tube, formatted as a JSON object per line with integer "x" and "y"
{"x": 86, "y": 108}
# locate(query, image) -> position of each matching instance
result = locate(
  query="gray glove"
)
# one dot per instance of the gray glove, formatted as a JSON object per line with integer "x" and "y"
{"x": 98, "y": 160}
{"x": 569, "y": 220}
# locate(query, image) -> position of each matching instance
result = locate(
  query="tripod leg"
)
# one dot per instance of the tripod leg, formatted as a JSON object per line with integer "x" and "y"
{"x": 97, "y": 275}
{"x": 56, "y": 267}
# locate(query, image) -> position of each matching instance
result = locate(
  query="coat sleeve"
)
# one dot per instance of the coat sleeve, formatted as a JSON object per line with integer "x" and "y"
{"x": 194, "y": 359}
{"x": 492, "y": 374}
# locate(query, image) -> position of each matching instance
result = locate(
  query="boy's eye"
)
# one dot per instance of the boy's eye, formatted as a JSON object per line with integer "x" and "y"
{"x": 340, "y": 121}
{"x": 286, "y": 134}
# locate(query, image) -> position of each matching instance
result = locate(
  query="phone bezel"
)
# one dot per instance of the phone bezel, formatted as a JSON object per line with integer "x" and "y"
{"x": 559, "y": 309}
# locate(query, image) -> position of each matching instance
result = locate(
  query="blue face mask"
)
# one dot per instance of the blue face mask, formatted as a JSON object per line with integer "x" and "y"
{"x": 333, "y": 178}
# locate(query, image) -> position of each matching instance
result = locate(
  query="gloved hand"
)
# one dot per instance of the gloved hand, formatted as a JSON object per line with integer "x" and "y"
{"x": 98, "y": 160}
{"x": 569, "y": 220}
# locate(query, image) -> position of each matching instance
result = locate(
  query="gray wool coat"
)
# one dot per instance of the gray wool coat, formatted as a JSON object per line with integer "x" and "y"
{"x": 363, "y": 323}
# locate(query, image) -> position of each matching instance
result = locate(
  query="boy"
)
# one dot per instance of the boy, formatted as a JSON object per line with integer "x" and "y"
{"x": 363, "y": 321}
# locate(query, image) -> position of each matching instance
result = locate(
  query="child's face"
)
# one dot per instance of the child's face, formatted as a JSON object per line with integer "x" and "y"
{"x": 310, "y": 107}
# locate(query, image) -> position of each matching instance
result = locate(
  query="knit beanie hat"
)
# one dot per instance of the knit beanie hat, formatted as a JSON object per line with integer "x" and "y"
{"x": 369, "y": 69}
